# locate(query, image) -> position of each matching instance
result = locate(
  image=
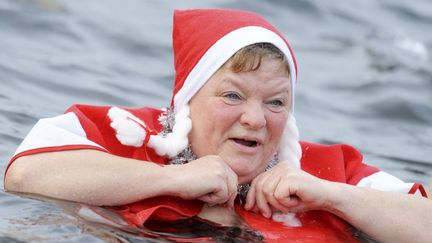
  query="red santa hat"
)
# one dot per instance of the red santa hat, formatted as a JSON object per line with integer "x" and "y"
{"x": 203, "y": 40}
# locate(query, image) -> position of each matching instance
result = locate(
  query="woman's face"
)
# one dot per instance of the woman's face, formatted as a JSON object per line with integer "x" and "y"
{"x": 241, "y": 117}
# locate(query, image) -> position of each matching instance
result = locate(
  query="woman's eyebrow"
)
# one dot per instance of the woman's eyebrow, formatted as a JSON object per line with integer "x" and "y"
{"x": 233, "y": 81}
{"x": 244, "y": 85}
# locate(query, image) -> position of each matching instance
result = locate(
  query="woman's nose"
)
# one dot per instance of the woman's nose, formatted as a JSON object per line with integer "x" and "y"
{"x": 253, "y": 116}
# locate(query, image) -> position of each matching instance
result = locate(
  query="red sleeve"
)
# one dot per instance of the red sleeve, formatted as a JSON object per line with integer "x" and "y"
{"x": 340, "y": 162}
{"x": 64, "y": 132}
{"x": 92, "y": 120}
{"x": 343, "y": 163}
{"x": 354, "y": 166}
{"x": 87, "y": 127}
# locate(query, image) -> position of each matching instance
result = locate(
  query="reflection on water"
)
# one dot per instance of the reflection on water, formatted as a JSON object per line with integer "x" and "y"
{"x": 57, "y": 220}
{"x": 197, "y": 228}
{"x": 68, "y": 221}
{"x": 364, "y": 78}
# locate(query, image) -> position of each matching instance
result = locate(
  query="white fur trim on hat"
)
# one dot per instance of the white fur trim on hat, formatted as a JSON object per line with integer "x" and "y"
{"x": 221, "y": 51}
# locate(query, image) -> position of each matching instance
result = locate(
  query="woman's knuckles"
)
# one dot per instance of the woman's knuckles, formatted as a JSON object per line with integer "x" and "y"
{"x": 279, "y": 196}
{"x": 268, "y": 192}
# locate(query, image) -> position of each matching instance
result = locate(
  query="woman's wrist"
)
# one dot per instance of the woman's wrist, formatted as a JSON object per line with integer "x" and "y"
{"x": 338, "y": 196}
{"x": 169, "y": 177}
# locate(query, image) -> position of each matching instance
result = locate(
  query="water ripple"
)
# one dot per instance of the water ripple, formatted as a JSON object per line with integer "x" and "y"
{"x": 419, "y": 12}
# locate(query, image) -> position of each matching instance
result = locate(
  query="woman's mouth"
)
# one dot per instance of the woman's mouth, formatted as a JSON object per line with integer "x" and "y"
{"x": 246, "y": 142}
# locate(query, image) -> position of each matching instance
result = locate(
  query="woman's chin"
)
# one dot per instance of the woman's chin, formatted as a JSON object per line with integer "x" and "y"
{"x": 245, "y": 179}
{"x": 246, "y": 167}
{"x": 245, "y": 171}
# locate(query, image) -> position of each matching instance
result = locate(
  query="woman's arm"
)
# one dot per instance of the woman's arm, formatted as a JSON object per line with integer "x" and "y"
{"x": 99, "y": 178}
{"x": 384, "y": 216}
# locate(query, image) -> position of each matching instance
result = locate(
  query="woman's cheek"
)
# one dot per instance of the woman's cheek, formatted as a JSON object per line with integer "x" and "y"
{"x": 277, "y": 122}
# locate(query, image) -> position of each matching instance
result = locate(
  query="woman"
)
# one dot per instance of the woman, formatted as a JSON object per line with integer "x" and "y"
{"x": 230, "y": 132}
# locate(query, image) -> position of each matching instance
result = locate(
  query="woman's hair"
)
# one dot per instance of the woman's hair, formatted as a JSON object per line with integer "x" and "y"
{"x": 249, "y": 57}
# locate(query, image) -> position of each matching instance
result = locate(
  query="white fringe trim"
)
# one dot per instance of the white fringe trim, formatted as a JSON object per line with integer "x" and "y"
{"x": 289, "y": 148}
{"x": 176, "y": 141}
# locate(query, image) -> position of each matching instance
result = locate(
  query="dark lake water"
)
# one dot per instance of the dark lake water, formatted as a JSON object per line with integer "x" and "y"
{"x": 365, "y": 78}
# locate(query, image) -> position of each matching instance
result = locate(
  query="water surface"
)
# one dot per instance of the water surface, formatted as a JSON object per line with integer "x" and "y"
{"x": 365, "y": 78}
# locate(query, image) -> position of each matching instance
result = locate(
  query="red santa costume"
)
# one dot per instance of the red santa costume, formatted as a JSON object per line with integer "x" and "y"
{"x": 203, "y": 41}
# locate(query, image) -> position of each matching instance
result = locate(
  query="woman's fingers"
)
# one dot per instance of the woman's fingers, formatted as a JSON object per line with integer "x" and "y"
{"x": 232, "y": 183}
{"x": 262, "y": 205}
{"x": 250, "y": 198}
{"x": 208, "y": 179}
{"x": 285, "y": 195}
{"x": 262, "y": 189}
{"x": 226, "y": 186}
{"x": 210, "y": 198}
{"x": 273, "y": 191}
{"x": 269, "y": 191}
{"x": 255, "y": 199}
{"x": 287, "y": 189}
{"x": 219, "y": 195}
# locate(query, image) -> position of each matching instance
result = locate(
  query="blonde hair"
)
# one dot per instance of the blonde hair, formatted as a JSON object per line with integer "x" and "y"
{"x": 249, "y": 57}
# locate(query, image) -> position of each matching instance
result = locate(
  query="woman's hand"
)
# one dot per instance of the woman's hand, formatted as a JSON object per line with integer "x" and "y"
{"x": 287, "y": 189}
{"x": 208, "y": 179}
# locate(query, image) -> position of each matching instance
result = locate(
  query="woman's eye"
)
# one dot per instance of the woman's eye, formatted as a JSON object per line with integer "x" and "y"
{"x": 276, "y": 103}
{"x": 232, "y": 96}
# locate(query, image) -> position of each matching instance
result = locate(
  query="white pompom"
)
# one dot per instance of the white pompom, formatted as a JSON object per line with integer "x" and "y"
{"x": 288, "y": 219}
{"x": 129, "y": 128}
{"x": 176, "y": 141}
{"x": 290, "y": 149}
